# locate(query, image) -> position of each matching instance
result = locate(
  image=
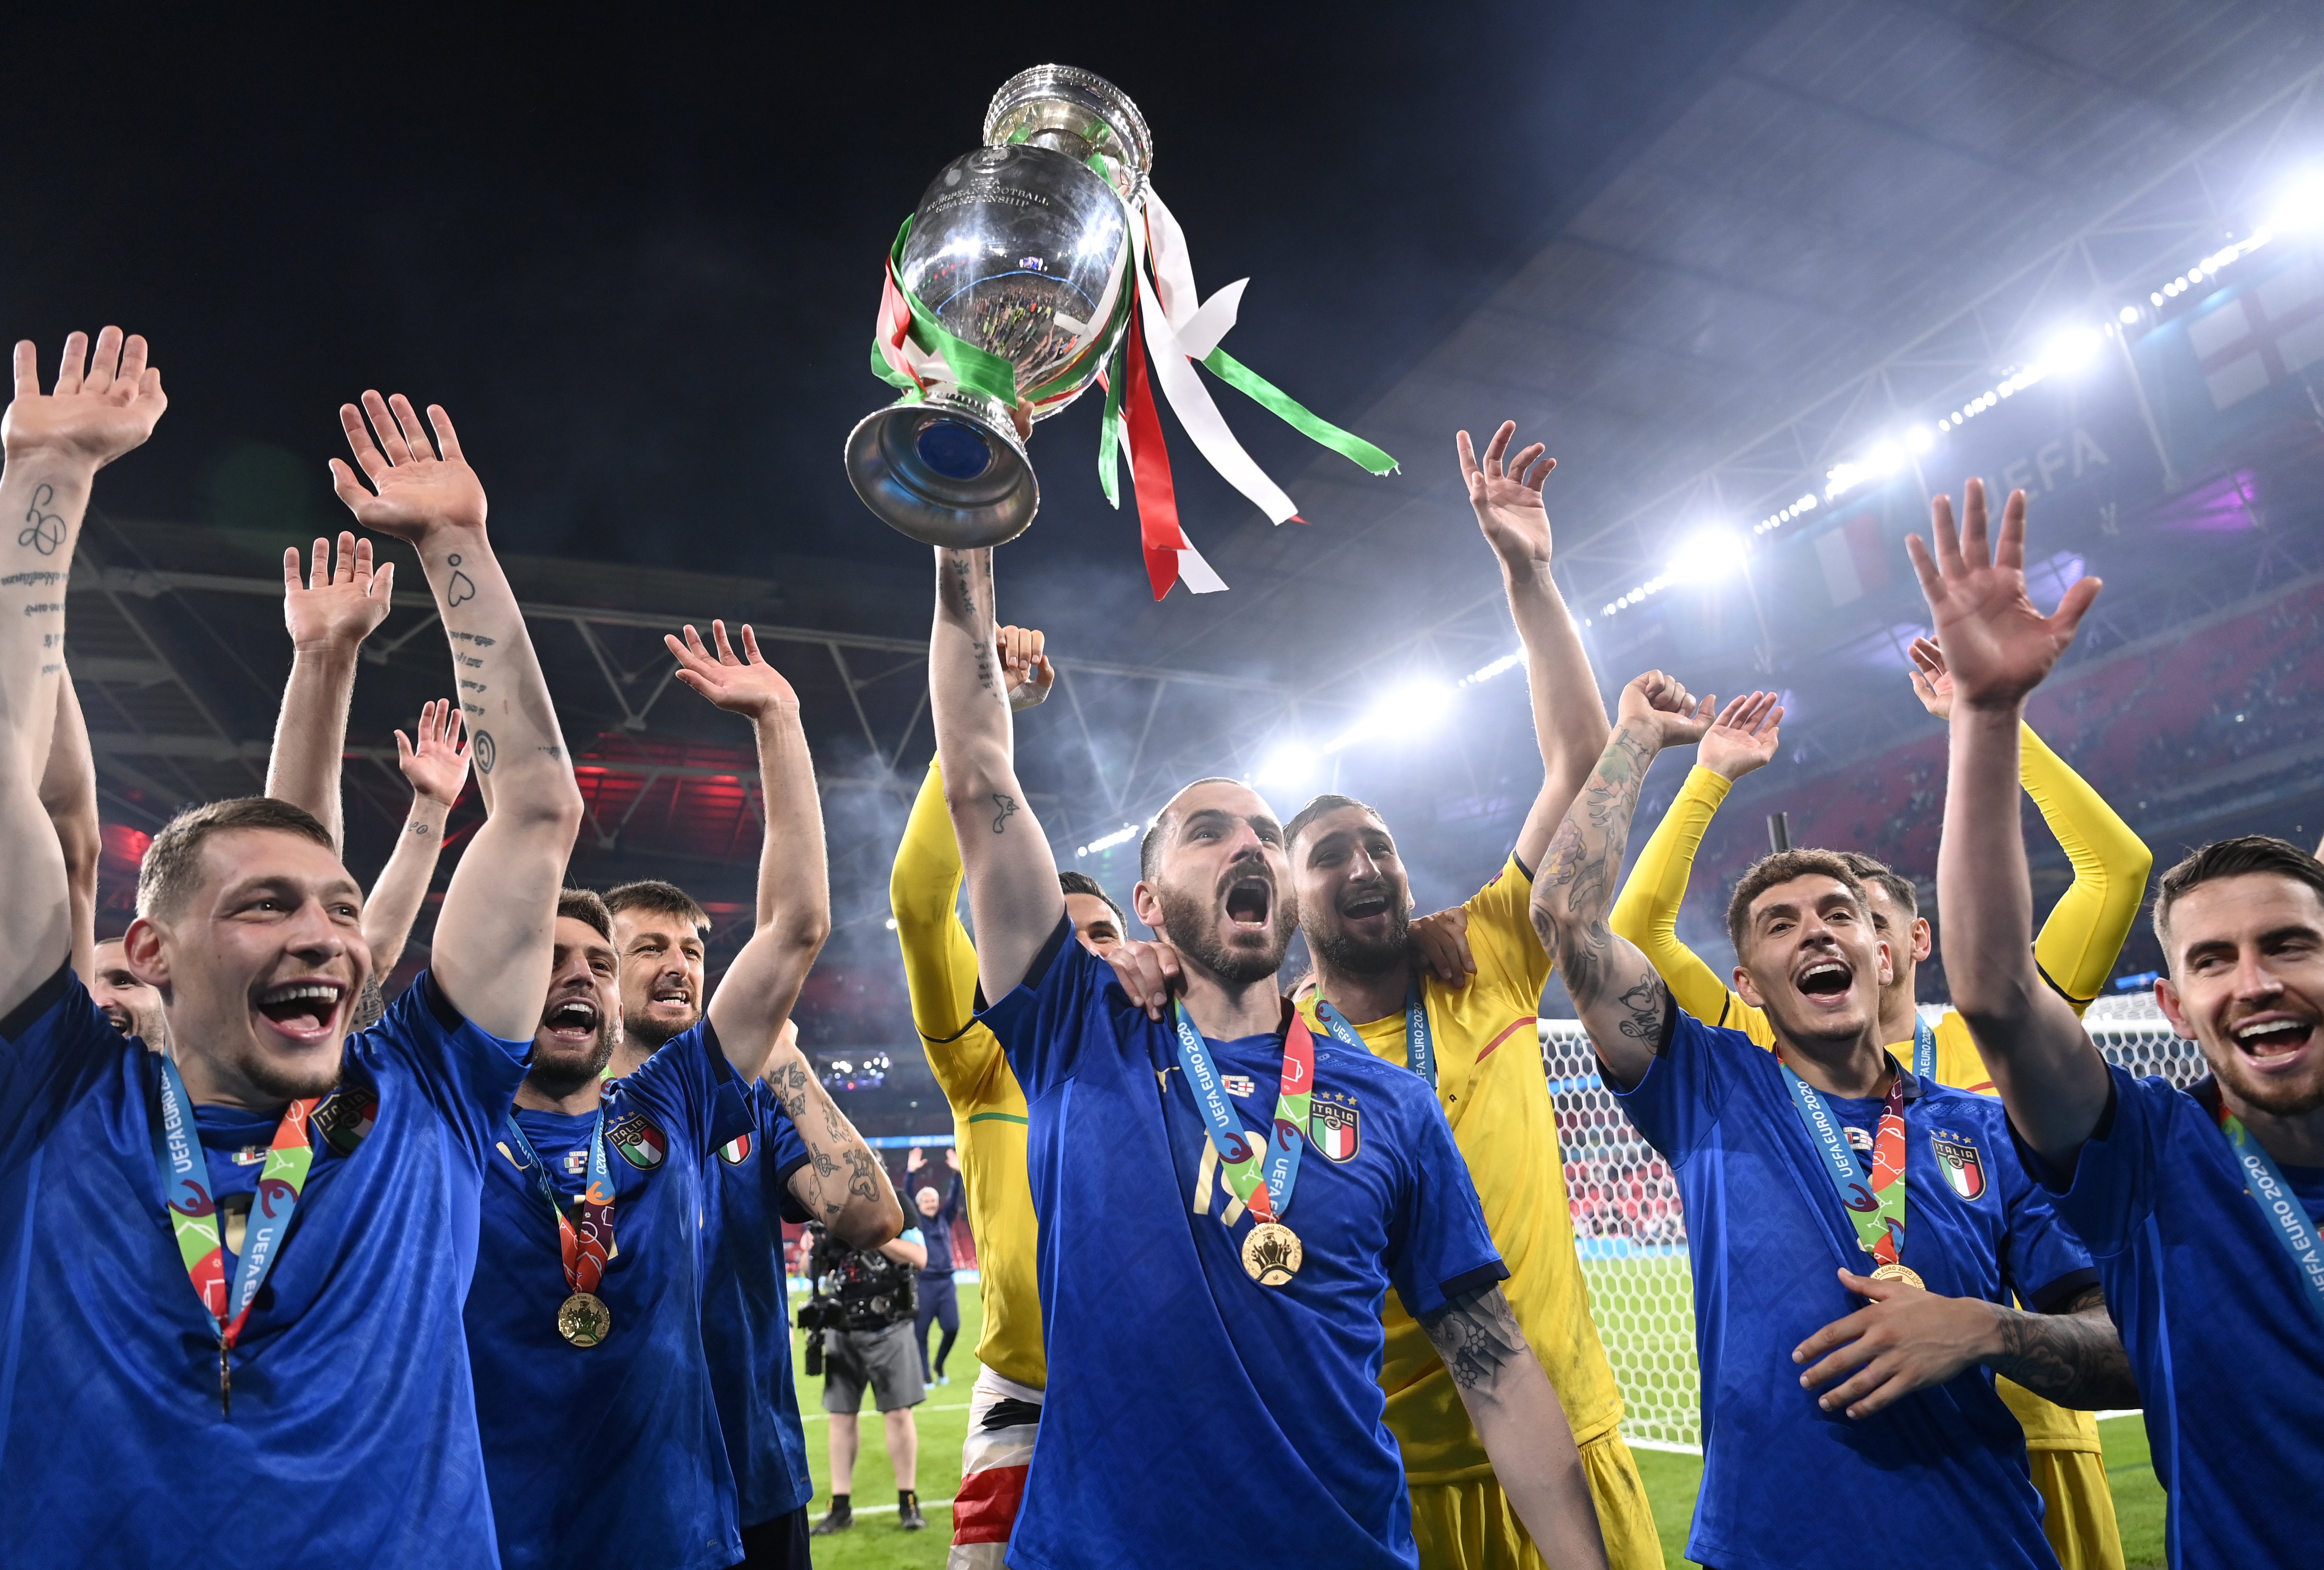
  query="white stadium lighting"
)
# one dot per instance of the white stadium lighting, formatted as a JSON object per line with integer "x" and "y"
{"x": 2300, "y": 204}
{"x": 1287, "y": 767}
{"x": 1707, "y": 554}
{"x": 1920, "y": 439}
{"x": 2128, "y": 315}
{"x": 1486, "y": 672}
{"x": 1106, "y": 842}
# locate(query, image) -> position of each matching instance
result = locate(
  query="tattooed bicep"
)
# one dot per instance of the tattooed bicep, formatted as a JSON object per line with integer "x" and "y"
{"x": 1476, "y": 1336}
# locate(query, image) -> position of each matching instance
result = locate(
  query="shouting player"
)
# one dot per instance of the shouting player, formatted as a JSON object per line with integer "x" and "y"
{"x": 1796, "y": 1161}
{"x": 2075, "y": 952}
{"x": 602, "y": 1435}
{"x": 2202, "y": 1206}
{"x": 989, "y": 1129}
{"x": 1477, "y": 1047}
{"x": 1244, "y": 1281}
{"x": 296, "y": 1391}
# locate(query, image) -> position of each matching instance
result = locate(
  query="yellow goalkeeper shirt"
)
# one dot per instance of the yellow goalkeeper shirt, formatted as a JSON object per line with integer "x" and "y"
{"x": 2075, "y": 951}
{"x": 1490, "y": 1083}
{"x": 988, "y": 1107}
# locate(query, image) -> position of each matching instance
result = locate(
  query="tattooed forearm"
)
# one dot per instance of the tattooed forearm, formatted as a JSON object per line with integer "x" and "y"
{"x": 2074, "y": 1357}
{"x": 1007, "y": 806}
{"x": 1476, "y": 1336}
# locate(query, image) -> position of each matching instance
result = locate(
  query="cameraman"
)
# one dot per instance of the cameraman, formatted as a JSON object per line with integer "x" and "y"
{"x": 861, "y": 1320}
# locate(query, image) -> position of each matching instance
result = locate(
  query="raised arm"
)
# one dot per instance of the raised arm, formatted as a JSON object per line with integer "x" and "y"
{"x": 1569, "y": 718}
{"x": 54, "y": 443}
{"x": 1745, "y": 737}
{"x": 69, "y": 792}
{"x": 1521, "y": 1425}
{"x": 843, "y": 1186}
{"x": 329, "y": 612}
{"x": 1999, "y": 648}
{"x": 2085, "y": 931}
{"x": 1012, "y": 878}
{"x": 794, "y": 904}
{"x": 436, "y": 765}
{"x": 493, "y": 937}
{"x": 1622, "y": 1001}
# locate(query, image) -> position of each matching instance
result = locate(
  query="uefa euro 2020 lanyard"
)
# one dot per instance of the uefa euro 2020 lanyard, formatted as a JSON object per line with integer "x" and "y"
{"x": 1419, "y": 1046}
{"x": 1877, "y": 1212}
{"x": 2285, "y": 1214}
{"x": 582, "y": 1318}
{"x": 1271, "y": 1253}
{"x": 185, "y": 1171}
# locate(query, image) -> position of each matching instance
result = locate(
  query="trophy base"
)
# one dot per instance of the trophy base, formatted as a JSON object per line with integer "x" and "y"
{"x": 947, "y": 470}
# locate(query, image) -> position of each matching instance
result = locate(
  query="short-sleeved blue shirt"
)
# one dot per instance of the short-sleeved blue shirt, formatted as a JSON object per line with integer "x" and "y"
{"x": 609, "y": 1455}
{"x": 1785, "y": 1483}
{"x": 353, "y": 1437}
{"x": 1165, "y": 1359}
{"x": 746, "y": 1313}
{"x": 2228, "y": 1353}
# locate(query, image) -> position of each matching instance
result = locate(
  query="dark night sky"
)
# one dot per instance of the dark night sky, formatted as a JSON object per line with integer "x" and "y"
{"x": 640, "y": 263}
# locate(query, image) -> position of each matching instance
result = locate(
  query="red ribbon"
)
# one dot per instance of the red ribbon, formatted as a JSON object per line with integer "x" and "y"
{"x": 1149, "y": 467}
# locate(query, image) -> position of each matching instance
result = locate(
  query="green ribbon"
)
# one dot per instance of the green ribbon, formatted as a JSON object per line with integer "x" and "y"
{"x": 1305, "y": 422}
{"x": 978, "y": 369}
{"x": 1109, "y": 429}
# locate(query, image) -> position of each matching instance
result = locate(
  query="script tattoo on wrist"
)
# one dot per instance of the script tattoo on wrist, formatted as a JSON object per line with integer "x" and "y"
{"x": 1476, "y": 1336}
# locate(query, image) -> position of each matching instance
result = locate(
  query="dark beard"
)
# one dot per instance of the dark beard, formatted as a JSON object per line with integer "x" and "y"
{"x": 1191, "y": 924}
{"x": 1357, "y": 957}
{"x": 559, "y": 1080}
{"x": 647, "y": 1036}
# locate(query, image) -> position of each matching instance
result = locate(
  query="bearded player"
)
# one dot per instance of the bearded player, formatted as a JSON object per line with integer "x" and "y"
{"x": 602, "y": 1435}
{"x": 299, "y": 1391}
{"x": 1476, "y": 1044}
{"x": 989, "y": 1129}
{"x": 2075, "y": 952}
{"x": 2201, "y": 1205}
{"x": 1246, "y": 1279}
{"x": 1794, "y": 1161}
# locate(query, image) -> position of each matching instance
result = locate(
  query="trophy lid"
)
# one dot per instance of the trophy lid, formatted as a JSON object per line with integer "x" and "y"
{"x": 1078, "y": 113}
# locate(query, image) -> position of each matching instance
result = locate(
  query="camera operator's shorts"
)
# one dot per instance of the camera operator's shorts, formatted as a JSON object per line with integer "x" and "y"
{"x": 886, "y": 1359}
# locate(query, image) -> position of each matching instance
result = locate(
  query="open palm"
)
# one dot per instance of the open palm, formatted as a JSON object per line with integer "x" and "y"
{"x": 1746, "y": 736}
{"x": 437, "y": 765}
{"x": 1505, "y": 494}
{"x": 103, "y": 404}
{"x": 413, "y": 490}
{"x": 339, "y": 603}
{"x": 745, "y": 683}
{"x": 1997, "y": 645}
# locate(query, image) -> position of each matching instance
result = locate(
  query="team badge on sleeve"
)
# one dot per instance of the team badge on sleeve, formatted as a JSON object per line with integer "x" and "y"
{"x": 1334, "y": 1127}
{"x": 1957, "y": 1158}
{"x": 641, "y": 1143}
{"x": 736, "y": 1151}
{"x": 346, "y": 1115}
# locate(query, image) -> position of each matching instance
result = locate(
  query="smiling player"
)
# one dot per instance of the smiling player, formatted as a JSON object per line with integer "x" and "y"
{"x": 2202, "y": 1206}
{"x": 1794, "y": 1161}
{"x": 298, "y": 1392}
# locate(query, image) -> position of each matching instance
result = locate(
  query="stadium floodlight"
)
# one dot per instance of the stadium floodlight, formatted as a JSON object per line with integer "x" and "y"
{"x": 1705, "y": 555}
{"x": 1410, "y": 707}
{"x": 1920, "y": 439}
{"x": 1486, "y": 672}
{"x": 2128, "y": 316}
{"x": 2299, "y": 202}
{"x": 1287, "y": 767}
{"x": 1106, "y": 842}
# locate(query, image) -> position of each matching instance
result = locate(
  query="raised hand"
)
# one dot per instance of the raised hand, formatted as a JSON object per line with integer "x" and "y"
{"x": 438, "y": 764}
{"x": 914, "y": 1161}
{"x": 1744, "y": 737}
{"x": 1661, "y": 708}
{"x": 746, "y": 685}
{"x": 1506, "y": 497}
{"x": 102, "y": 406}
{"x": 1997, "y": 645}
{"x": 1440, "y": 943}
{"x": 952, "y": 1158}
{"x": 413, "y": 490}
{"x": 1933, "y": 684}
{"x": 1025, "y": 670}
{"x": 335, "y": 604}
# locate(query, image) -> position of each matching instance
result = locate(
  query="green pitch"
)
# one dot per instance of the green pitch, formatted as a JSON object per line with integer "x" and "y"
{"x": 1637, "y": 1308}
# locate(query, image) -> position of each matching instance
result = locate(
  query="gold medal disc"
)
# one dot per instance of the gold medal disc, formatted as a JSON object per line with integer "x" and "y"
{"x": 1905, "y": 1273}
{"x": 1271, "y": 1253}
{"x": 584, "y": 1320}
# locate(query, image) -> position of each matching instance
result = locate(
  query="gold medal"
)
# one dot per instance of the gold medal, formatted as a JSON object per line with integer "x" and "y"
{"x": 1905, "y": 1273}
{"x": 1271, "y": 1253}
{"x": 584, "y": 1320}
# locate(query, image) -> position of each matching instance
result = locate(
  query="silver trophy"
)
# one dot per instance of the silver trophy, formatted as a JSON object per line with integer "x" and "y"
{"x": 1020, "y": 250}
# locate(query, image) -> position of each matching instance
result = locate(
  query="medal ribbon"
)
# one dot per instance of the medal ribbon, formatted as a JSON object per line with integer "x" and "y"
{"x": 185, "y": 1174}
{"x": 1925, "y": 1052}
{"x": 1419, "y": 1046}
{"x": 1239, "y": 1164}
{"x": 2285, "y": 1214}
{"x": 587, "y": 1247}
{"x": 1877, "y": 1212}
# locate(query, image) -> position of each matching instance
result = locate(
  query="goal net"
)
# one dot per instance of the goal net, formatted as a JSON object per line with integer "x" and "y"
{"x": 1631, "y": 1233}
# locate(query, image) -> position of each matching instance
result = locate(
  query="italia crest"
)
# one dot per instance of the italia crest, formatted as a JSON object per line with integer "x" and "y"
{"x": 346, "y": 1116}
{"x": 736, "y": 1151}
{"x": 1958, "y": 1160}
{"x": 1334, "y": 1128}
{"x": 641, "y": 1143}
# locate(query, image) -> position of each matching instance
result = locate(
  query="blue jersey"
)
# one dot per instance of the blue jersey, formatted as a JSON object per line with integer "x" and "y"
{"x": 353, "y": 1437}
{"x": 1165, "y": 1359}
{"x": 609, "y": 1455}
{"x": 1785, "y": 1483}
{"x": 745, "y": 1315}
{"x": 2229, "y": 1351}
